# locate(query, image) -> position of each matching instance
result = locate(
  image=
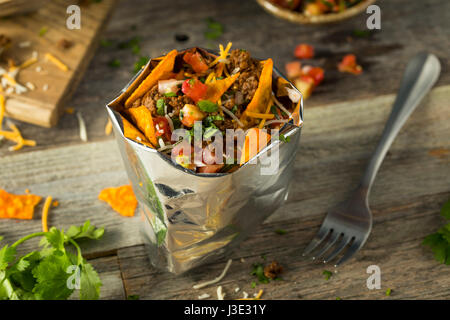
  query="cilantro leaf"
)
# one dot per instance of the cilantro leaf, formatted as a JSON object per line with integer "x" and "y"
{"x": 439, "y": 246}
{"x": 90, "y": 283}
{"x": 445, "y": 211}
{"x": 327, "y": 274}
{"x": 214, "y": 29}
{"x": 280, "y": 232}
{"x": 258, "y": 271}
{"x": 85, "y": 231}
{"x": 7, "y": 255}
{"x": 140, "y": 63}
{"x": 207, "y": 106}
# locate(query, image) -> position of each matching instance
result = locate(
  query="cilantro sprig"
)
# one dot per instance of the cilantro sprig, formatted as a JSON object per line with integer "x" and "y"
{"x": 54, "y": 272}
{"x": 439, "y": 242}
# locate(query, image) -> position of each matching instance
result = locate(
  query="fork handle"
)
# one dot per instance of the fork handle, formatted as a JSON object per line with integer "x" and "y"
{"x": 419, "y": 77}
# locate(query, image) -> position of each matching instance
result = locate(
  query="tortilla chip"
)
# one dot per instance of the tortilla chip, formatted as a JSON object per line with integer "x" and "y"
{"x": 219, "y": 87}
{"x": 130, "y": 131}
{"x": 121, "y": 199}
{"x": 255, "y": 140}
{"x": 17, "y": 206}
{"x": 164, "y": 67}
{"x": 296, "y": 114}
{"x": 142, "y": 117}
{"x": 263, "y": 92}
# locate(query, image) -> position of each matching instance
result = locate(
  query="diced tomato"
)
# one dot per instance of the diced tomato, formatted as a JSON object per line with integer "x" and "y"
{"x": 316, "y": 73}
{"x": 305, "y": 84}
{"x": 293, "y": 69}
{"x": 196, "y": 61}
{"x": 194, "y": 89}
{"x": 304, "y": 51}
{"x": 189, "y": 114}
{"x": 348, "y": 64}
{"x": 162, "y": 128}
{"x": 210, "y": 168}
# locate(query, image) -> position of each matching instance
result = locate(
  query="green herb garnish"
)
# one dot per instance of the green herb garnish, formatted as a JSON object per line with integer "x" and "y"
{"x": 284, "y": 139}
{"x": 258, "y": 271}
{"x": 439, "y": 242}
{"x": 274, "y": 110}
{"x": 106, "y": 43}
{"x": 234, "y": 109}
{"x": 253, "y": 284}
{"x": 210, "y": 119}
{"x": 388, "y": 292}
{"x": 160, "y": 106}
{"x": 114, "y": 63}
{"x": 207, "y": 106}
{"x": 170, "y": 94}
{"x": 52, "y": 273}
{"x": 133, "y": 297}
{"x": 327, "y": 274}
{"x": 280, "y": 232}
{"x": 43, "y": 31}
{"x": 142, "y": 61}
{"x": 214, "y": 29}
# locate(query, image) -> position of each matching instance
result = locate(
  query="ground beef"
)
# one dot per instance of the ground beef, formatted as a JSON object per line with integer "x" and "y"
{"x": 273, "y": 270}
{"x": 174, "y": 104}
{"x": 250, "y": 72}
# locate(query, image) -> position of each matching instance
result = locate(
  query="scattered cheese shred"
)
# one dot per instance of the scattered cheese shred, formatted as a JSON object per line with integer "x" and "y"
{"x": 2, "y": 109}
{"x": 263, "y": 121}
{"x": 257, "y": 297}
{"x": 260, "y": 115}
{"x": 16, "y": 137}
{"x": 10, "y": 79}
{"x": 223, "y": 54}
{"x": 28, "y": 63}
{"x": 222, "y": 275}
{"x": 56, "y": 61}
{"x": 108, "y": 127}
{"x": 69, "y": 110}
{"x": 121, "y": 199}
{"x": 55, "y": 203}
{"x": 17, "y": 206}
{"x": 45, "y": 211}
{"x": 220, "y": 293}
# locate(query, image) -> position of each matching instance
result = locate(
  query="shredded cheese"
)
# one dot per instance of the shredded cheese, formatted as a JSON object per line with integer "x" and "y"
{"x": 56, "y": 61}
{"x": 216, "y": 280}
{"x": 2, "y": 109}
{"x": 220, "y": 293}
{"x": 223, "y": 54}
{"x": 259, "y": 115}
{"x": 261, "y": 124}
{"x": 45, "y": 211}
{"x": 210, "y": 78}
{"x": 257, "y": 296}
{"x": 108, "y": 127}
{"x": 28, "y": 63}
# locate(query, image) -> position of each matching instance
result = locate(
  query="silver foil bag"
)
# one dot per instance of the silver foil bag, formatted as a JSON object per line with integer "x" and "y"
{"x": 188, "y": 218}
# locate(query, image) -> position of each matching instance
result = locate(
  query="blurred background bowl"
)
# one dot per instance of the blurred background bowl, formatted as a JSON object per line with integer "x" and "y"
{"x": 300, "y": 18}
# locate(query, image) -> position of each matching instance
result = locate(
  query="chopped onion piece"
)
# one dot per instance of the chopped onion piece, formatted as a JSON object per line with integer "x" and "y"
{"x": 294, "y": 95}
{"x": 161, "y": 143}
{"x": 278, "y": 103}
{"x": 231, "y": 114}
{"x": 169, "y": 120}
{"x": 235, "y": 70}
{"x": 82, "y": 124}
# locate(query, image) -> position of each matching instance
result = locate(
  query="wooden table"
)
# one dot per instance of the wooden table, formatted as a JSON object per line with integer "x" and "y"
{"x": 343, "y": 121}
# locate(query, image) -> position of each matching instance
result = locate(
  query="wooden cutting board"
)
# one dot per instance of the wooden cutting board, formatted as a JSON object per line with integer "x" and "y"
{"x": 43, "y": 105}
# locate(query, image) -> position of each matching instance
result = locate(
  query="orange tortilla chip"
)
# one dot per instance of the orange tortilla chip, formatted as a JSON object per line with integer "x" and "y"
{"x": 263, "y": 92}
{"x": 129, "y": 131}
{"x": 255, "y": 140}
{"x": 143, "y": 119}
{"x": 17, "y": 206}
{"x": 219, "y": 87}
{"x": 164, "y": 67}
{"x": 121, "y": 199}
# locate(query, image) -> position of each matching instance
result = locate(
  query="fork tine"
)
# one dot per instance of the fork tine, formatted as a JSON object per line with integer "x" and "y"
{"x": 320, "y": 236}
{"x": 334, "y": 237}
{"x": 344, "y": 242}
{"x": 356, "y": 245}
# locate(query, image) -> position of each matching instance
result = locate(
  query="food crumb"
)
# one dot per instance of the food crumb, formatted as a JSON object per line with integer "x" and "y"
{"x": 237, "y": 289}
{"x": 38, "y": 69}
{"x": 273, "y": 270}
{"x": 203, "y": 296}
{"x": 244, "y": 294}
{"x": 45, "y": 87}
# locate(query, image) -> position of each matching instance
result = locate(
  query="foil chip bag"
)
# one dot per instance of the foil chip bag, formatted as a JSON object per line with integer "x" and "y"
{"x": 208, "y": 141}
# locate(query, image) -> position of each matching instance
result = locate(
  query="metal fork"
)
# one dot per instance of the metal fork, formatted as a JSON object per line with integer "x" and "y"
{"x": 348, "y": 225}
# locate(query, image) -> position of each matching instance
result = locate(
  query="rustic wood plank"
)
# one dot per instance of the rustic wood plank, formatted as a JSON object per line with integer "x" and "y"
{"x": 329, "y": 163}
{"x": 407, "y": 27}
{"x": 39, "y": 106}
{"x": 406, "y": 266}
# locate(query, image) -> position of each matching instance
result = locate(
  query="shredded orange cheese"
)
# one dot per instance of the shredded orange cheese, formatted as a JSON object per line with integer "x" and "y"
{"x": 16, "y": 137}
{"x": 2, "y": 109}
{"x": 258, "y": 296}
{"x": 45, "y": 210}
{"x": 10, "y": 79}
{"x": 17, "y": 206}
{"x": 263, "y": 121}
{"x": 28, "y": 63}
{"x": 56, "y": 61}
{"x": 108, "y": 127}
{"x": 223, "y": 54}
{"x": 121, "y": 199}
{"x": 260, "y": 115}
{"x": 55, "y": 203}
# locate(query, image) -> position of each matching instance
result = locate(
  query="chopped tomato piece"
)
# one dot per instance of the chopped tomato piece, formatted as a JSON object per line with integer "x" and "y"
{"x": 304, "y": 51}
{"x": 196, "y": 61}
{"x": 293, "y": 69}
{"x": 189, "y": 114}
{"x": 348, "y": 64}
{"x": 194, "y": 89}
{"x": 162, "y": 128}
{"x": 316, "y": 73}
{"x": 288, "y": 4}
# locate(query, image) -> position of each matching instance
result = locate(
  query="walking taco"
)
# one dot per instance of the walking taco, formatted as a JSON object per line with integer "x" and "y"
{"x": 187, "y": 126}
